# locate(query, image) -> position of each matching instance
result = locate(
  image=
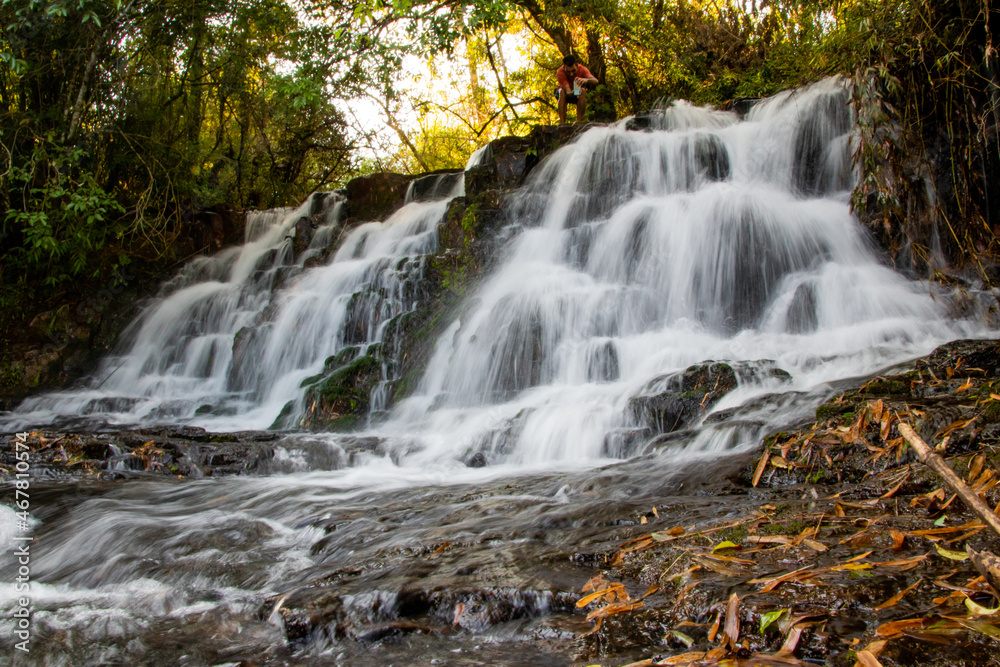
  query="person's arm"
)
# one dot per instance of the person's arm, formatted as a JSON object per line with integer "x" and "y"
{"x": 584, "y": 76}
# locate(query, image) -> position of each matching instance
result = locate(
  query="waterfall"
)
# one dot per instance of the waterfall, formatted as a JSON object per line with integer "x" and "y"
{"x": 639, "y": 254}
{"x": 229, "y": 341}
{"x": 631, "y": 256}
{"x": 697, "y": 248}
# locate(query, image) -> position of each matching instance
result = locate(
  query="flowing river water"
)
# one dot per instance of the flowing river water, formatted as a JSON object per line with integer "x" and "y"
{"x": 629, "y": 256}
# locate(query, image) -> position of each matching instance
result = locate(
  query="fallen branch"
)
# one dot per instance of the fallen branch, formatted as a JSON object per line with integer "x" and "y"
{"x": 929, "y": 458}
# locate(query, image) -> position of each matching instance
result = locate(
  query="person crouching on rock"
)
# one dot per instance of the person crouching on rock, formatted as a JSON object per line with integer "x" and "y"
{"x": 573, "y": 79}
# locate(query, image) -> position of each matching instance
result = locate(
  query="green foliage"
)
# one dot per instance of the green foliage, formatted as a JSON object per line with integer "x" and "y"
{"x": 120, "y": 120}
{"x": 63, "y": 213}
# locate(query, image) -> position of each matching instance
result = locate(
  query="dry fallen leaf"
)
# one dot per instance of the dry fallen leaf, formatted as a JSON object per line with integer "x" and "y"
{"x": 682, "y": 659}
{"x": 866, "y": 659}
{"x": 595, "y": 583}
{"x": 614, "y": 608}
{"x": 894, "y": 600}
{"x": 791, "y": 641}
{"x": 895, "y": 628}
{"x": 898, "y": 537}
{"x": 714, "y": 630}
{"x": 976, "y": 467}
{"x": 612, "y": 592}
{"x": 761, "y": 466}
{"x": 733, "y": 619}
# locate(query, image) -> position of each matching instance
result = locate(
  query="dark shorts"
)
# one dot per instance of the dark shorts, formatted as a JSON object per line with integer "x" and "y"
{"x": 570, "y": 99}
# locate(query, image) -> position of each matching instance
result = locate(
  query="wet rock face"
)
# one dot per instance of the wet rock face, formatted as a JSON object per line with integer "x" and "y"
{"x": 435, "y": 185}
{"x": 340, "y": 400}
{"x": 685, "y": 397}
{"x": 208, "y": 230}
{"x": 170, "y": 451}
{"x": 375, "y": 197}
{"x": 303, "y": 234}
{"x": 674, "y": 402}
{"x": 369, "y": 617}
{"x": 511, "y": 159}
{"x": 978, "y": 359}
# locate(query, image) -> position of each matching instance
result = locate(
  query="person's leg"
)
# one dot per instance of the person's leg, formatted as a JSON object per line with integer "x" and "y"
{"x": 581, "y": 106}
{"x": 562, "y": 106}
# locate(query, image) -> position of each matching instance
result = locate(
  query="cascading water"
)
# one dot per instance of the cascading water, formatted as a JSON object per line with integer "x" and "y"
{"x": 229, "y": 341}
{"x": 643, "y": 253}
{"x": 632, "y": 257}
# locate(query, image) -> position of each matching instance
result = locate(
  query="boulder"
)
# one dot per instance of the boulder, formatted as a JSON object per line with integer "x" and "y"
{"x": 678, "y": 400}
{"x": 375, "y": 197}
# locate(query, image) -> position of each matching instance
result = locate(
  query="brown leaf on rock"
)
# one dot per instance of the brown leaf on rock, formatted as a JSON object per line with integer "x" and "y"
{"x": 611, "y": 593}
{"x": 682, "y": 659}
{"x": 733, "y": 618}
{"x": 595, "y": 583}
{"x": 866, "y": 659}
{"x": 614, "y": 608}
{"x": 895, "y": 628}
{"x": 976, "y": 466}
{"x": 888, "y": 418}
{"x": 895, "y": 599}
{"x": 898, "y": 537}
{"x": 717, "y": 567}
{"x": 904, "y": 564}
{"x": 761, "y": 467}
{"x": 954, "y": 426}
{"x": 814, "y": 545}
{"x": 714, "y": 630}
{"x": 792, "y": 641}
{"x": 876, "y": 647}
{"x": 933, "y": 532}
{"x": 928, "y": 499}
{"x": 875, "y": 409}
{"x": 768, "y": 539}
{"x": 891, "y": 492}
{"x": 770, "y": 583}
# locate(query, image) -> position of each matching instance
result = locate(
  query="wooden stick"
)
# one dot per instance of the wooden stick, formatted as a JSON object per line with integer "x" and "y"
{"x": 929, "y": 458}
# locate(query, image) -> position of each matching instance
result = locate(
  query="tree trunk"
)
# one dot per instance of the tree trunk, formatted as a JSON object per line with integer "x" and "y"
{"x": 601, "y": 103}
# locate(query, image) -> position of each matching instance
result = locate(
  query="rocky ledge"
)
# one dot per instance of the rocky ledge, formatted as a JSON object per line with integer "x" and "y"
{"x": 840, "y": 548}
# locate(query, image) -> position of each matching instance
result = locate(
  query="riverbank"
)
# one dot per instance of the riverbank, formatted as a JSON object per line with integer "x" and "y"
{"x": 852, "y": 552}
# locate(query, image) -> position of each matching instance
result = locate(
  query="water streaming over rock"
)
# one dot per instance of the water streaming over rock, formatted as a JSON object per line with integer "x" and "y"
{"x": 706, "y": 252}
{"x": 643, "y": 253}
{"x": 229, "y": 341}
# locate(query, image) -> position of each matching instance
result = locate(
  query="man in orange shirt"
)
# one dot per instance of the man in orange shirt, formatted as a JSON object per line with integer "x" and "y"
{"x": 572, "y": 78}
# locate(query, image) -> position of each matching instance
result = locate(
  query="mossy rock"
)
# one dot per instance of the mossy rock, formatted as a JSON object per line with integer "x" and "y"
{"x": 885, "y": 387}
{"x": 990, "y": 413}
{"x": 686, "y": 396}
{"x": 831, "y": 410}
{"x": 343, "y": 393}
